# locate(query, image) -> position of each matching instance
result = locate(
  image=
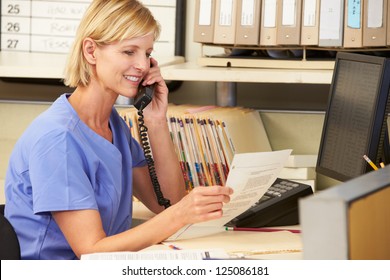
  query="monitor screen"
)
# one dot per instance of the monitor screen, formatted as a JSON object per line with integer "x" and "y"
{"x": 356, "y": 118}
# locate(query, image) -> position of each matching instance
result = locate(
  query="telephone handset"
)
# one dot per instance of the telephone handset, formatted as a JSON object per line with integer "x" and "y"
{"x": 144, "y": 96}
{"x": 141, "y": 100}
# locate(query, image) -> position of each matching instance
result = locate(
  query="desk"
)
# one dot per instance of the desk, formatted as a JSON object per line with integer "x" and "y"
{"x": 282, "y": 245}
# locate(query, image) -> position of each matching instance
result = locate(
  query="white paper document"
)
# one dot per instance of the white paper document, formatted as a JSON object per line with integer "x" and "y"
{"x": 250, "y": 175}
{"x": 191, "y": 254}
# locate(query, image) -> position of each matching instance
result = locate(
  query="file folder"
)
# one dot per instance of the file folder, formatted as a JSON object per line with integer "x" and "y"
{"x": 331, "y": 23}
{"x": 268, "y": 29}
{"x": 310, "y": 22}
{"x": 248, "y": 22}
{"x": 375, "y": 23}
{"x": 225, "y": 22}
{"x": 353, "y": 24}
{"x": 204, "y": 21}
{"x": 289, "y": 22}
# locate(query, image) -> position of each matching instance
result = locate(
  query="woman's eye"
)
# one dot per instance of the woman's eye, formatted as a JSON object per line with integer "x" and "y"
{"x": 129, "y": 52}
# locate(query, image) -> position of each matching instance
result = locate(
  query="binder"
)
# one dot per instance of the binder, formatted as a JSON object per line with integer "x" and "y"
{"x": 225, "y": 22}
{"x": 248, "y": 22}
{"x": 268, "y": 28}
{"x": 204, "y": 21}
{"x": 310, "y": 22}
{"x": 353, "y": 25}
{"x": 289, "y": 22}
{"x": 388, "y": 23}
{"x": 374, "y": 23}
{"x": 331, "y": 23}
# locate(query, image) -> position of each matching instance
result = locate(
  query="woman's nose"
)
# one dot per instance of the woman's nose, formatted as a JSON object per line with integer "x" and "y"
{"x": 142, "y": 64}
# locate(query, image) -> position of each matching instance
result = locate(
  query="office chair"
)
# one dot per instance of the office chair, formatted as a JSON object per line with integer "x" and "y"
{"x": 9, "y": 243}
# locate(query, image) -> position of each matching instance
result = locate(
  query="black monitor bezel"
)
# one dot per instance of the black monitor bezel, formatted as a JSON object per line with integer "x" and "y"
{"x": 377, "y": 139}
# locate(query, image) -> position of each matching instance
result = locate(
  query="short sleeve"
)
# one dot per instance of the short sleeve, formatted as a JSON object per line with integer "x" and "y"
{"x": 58, "y": 174}
{"x": 137, "y": 153}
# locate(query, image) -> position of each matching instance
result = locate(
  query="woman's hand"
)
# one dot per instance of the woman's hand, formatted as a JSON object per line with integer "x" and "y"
{"x": 158, "y": 106}
{"x": 202, "y": 204}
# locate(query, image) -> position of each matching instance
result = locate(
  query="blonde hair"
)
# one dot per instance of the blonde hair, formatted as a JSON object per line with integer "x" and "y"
{"x": 107, "y": 21}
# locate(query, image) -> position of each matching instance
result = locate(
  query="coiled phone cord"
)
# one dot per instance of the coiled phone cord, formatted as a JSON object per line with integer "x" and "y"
{"x": 143, "y": 132}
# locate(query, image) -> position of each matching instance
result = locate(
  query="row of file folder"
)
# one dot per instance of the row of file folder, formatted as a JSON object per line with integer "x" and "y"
{"x": 323, "y": 23}
{"x": 206, "y": 138}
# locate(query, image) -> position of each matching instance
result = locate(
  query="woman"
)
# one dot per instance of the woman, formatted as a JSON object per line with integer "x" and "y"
{"x": 73, "y": 172}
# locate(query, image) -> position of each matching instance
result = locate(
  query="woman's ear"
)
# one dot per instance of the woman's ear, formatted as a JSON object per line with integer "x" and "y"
{"x": 89, "y": 47}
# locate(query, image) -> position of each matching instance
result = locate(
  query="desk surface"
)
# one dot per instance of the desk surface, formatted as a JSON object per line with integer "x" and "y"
{"x": 282, "y": 244}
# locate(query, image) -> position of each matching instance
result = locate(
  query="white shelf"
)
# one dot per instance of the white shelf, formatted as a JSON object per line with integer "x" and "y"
{"x": 46, "y": 65}
{"x": 191, "y": 71}
{"x": 31, "y": 65}
{"x": 252, "y": 62}
{"x": 50, "y": 66}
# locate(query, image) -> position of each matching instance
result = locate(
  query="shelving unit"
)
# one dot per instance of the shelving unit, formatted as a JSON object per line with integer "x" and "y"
{"x": 191, "y": 71}
{"x": 228, "y": 77}
{"x": 47, "y": 66}
{"x": 227, "y": 68}
{"x": 50, "y": 66}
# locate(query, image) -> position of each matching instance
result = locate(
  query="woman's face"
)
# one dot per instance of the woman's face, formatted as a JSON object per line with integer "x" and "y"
{"x": 120, "y": 67}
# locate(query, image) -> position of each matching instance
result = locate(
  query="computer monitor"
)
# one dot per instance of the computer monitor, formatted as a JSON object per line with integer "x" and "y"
{"x": 356, "y": 117}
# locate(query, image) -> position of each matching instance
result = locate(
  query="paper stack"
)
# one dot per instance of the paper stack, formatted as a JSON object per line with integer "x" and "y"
{"x": 300, "y": 168}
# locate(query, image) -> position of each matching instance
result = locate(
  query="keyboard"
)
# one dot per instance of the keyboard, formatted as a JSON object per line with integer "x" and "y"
{"x": 277, "y": 207}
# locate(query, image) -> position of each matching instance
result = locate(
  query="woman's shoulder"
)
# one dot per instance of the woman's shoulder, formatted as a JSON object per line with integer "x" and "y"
{"x": 60, "y": 113}
{"x": 57, "y": 119}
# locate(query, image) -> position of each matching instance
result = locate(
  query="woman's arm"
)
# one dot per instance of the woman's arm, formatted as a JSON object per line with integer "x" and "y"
{"x": 84, "y": 231}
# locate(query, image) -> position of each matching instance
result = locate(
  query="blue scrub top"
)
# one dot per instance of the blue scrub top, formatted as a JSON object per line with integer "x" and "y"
{"x": 59, "y": 164}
